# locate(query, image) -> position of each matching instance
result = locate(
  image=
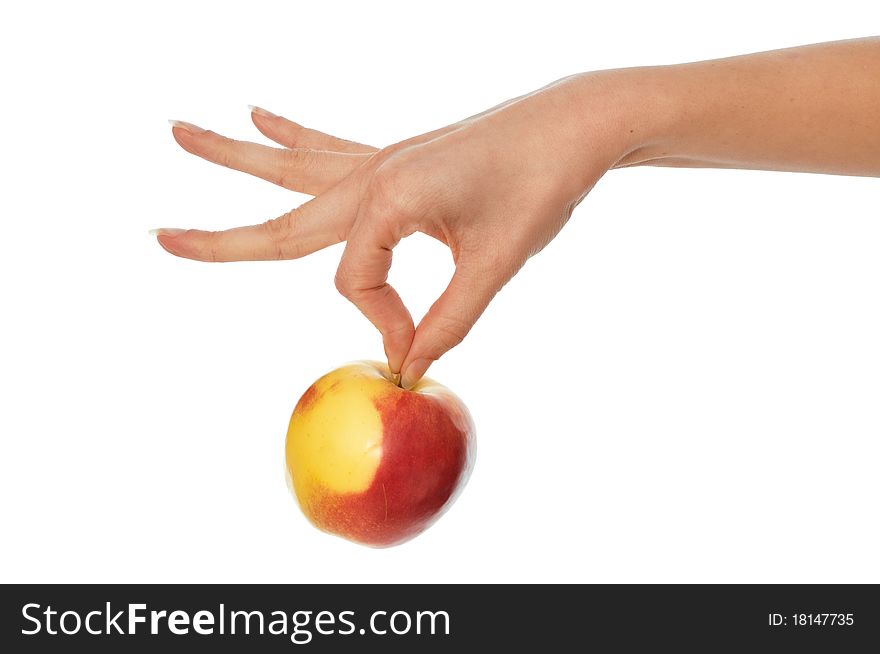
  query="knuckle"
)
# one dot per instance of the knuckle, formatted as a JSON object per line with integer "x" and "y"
{"x": 297, "y": 158}
{"x": 389, "y": 190}
{"x": 398, "y": 328}
{"x": 223, "y": 152}
{"x": 293, "y": 166}
{"x": 403, "y": 187}
{"x": 281, "y": 231}
{"x": 448, "y": 331}
{"x": 211, "y": 246}
{"x": 343, "y": 284}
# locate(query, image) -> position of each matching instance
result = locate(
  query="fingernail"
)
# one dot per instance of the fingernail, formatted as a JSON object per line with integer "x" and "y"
{"x": 187, "y": 127}
{"x": 414, "y": 372}
{"x": 166, "y": 231}
{"x": 261, "y": 112}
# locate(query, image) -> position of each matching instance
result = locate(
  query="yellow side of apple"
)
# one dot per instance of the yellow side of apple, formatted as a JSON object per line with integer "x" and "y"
{"x": 338, "y": 444}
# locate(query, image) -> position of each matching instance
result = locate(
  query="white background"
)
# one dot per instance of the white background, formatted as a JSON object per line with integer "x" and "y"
{"x": 682, "y": 387}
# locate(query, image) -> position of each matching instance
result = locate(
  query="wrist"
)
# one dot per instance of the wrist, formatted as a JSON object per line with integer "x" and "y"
{"x": 631, "y": 113}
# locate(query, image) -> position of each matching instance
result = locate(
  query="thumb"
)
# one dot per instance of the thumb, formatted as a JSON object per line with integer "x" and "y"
{"x": 450, "y": 318}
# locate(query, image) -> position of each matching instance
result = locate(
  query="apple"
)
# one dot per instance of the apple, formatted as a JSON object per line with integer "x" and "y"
{"x": 373, "y": 462}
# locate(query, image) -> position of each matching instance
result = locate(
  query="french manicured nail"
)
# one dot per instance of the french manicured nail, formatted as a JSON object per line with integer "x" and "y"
{"x": 166, "y": 231}
{"x": 414, "y": 372}
{"x": 187, "y": 127}
{"x": 261, "y": 112}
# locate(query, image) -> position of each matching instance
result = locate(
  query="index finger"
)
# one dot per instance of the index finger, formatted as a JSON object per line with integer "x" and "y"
{"x": 362, "y": 278}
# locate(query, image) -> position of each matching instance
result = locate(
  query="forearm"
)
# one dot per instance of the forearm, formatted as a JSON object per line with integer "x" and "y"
{"x": 810, "y": 109}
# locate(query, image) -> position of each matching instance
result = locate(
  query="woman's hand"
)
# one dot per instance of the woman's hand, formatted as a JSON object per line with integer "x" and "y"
{"x": 495, "y": 188}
